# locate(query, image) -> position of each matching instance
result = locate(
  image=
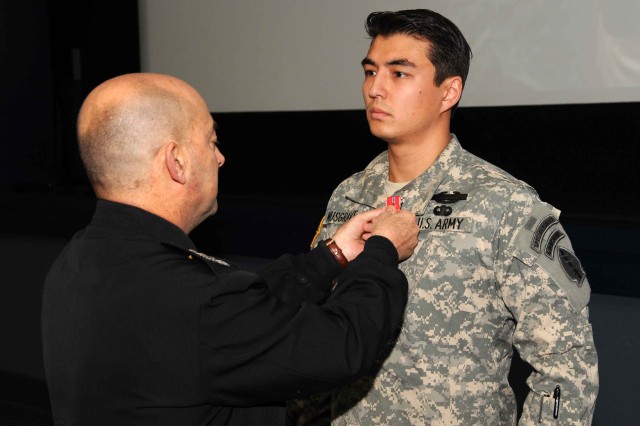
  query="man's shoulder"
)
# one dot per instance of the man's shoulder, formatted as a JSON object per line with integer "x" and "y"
{"x": 351, "y": 180}
{"x": 377, "y": 166}
{"x": 491, "y": 178}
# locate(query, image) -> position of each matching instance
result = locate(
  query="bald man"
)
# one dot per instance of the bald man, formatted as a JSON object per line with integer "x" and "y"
{"x": 139, "y": 328}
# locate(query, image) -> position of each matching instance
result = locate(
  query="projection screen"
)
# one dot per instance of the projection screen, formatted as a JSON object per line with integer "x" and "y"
{"x": 298, "y": 55}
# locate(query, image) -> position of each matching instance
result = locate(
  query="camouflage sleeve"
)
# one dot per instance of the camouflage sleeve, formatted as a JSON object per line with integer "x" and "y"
{"x": 545, "y": 287}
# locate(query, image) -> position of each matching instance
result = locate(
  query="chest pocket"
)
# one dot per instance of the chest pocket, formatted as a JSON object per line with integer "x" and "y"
{"x": 448, "y": 276}
{"x": 452, "y": 299}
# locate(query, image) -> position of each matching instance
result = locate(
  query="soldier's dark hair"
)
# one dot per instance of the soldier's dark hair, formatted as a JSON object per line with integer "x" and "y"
{"x": 449, "y": 51}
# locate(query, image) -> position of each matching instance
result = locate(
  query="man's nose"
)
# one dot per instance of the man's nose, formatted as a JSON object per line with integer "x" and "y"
{"x": 221, "y": 158}
{"x": 377, "y": 86}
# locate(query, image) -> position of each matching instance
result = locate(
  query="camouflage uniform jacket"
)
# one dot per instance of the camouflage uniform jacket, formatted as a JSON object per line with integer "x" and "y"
{"x": 493, "y": 268}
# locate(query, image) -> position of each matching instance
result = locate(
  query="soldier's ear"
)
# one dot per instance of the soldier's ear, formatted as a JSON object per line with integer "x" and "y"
{"x": 452, "y": 91}
{"x": 175, "y": 162}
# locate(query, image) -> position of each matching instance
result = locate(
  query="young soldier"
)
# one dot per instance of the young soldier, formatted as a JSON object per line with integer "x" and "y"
{"x": 493, "y": 270}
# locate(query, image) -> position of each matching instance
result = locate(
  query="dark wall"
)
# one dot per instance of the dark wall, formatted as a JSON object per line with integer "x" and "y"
{"x": 52, "y": 53}
{"x": 26, "y": 100}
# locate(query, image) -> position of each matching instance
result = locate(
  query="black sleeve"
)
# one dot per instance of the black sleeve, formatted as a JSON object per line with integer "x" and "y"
{"x": 305, "y": 277}
{"x": 256, "y": 348}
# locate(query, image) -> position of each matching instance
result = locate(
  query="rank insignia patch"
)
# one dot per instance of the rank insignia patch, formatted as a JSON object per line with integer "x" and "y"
{"x": 210, "y": 258}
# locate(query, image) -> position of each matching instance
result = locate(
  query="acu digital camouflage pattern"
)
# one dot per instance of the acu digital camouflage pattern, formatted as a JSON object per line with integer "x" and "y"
{"x": 492, "y": 269}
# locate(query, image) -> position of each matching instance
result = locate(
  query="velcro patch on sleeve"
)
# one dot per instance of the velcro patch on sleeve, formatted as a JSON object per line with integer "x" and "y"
{"x": 544, "y": 242}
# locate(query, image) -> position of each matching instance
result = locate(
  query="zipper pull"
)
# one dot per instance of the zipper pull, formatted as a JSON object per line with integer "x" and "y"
{"x": 543, "y": 395}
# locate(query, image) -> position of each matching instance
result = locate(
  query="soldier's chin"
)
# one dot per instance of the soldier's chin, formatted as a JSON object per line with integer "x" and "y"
{"x": 379, "y": 132}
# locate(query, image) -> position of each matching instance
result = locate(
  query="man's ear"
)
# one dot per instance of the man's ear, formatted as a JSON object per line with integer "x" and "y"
{"x": 453, "y": 92}
{"x": 175, "y": 162}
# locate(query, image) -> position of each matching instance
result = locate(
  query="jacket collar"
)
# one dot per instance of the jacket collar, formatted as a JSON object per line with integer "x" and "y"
{"x": 417, "y": 193}
{"x": 139, "y": 223}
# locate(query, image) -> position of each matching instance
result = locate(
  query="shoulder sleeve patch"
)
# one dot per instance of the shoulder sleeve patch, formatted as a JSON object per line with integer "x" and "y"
{"x": 318, "y": 231}
{"x": 542, "y": 241}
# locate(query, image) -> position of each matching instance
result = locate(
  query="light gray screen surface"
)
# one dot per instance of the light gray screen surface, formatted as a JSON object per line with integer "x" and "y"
{"x": 296, "y": 55}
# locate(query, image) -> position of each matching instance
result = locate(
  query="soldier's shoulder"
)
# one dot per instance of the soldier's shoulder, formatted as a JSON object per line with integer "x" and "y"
{"x": 495, "y": 181}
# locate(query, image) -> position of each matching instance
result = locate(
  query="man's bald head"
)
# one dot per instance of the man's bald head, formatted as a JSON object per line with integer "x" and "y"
{"x": 124, "y": 121}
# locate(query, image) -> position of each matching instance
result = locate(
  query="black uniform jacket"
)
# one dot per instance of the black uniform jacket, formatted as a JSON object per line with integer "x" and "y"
{"x": 141, "y": 329}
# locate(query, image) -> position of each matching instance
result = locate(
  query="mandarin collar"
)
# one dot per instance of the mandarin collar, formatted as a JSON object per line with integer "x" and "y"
{"x": 133, "y": 220}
